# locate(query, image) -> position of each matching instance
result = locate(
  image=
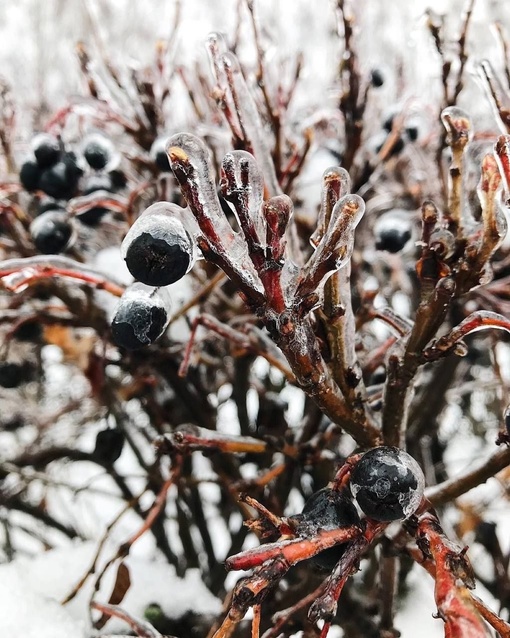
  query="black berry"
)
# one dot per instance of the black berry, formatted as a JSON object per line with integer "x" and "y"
{"x": 327, "y": 509}
{"x": 51, "y": 232}
{"x": 392, "y": 232}
{"x": 109, "y": 444}
{"x": 376, "y": 78}
{"x": 139, "y": 320}
{"x": 158, "y": 249}
{"x": 46, "y": 149}
{"x": 387, "y": 484}
{"x": 12, "y": 374}
{"x": 29, "y": 175}
{"x": 159, "y": 156}
{"x": 61, "y": 180}
{"x": 94, "y": 183}
{"x": 98, "y": 151}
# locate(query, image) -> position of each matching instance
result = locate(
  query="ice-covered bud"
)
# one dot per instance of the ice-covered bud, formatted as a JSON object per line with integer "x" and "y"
{"x": 141, "y": 317}
{"x": 158, "y": 249}
{"x": 502, "y": 154}
{"x": 458, "y": 126}
{"x": 387, "y": 483}
{"x": 277, "y": 212}
{"x": 335, "y": 184}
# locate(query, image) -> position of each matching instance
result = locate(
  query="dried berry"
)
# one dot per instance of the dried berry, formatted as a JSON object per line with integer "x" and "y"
{"x": 12, "y": 374}
{"x": 94, "y": 183}
{"x": 61, "y": 180}
{"x": 51, "y": 232}
{"x": 387, "y": 483}
{"x": 325, "y": 510}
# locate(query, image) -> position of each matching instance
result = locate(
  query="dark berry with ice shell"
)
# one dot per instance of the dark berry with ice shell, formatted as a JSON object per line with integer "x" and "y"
{"x": 141, "y": 318}
{"x": 47, "y": 150}
{"x": 159, "y": 156}
{"x": 327, "y": 509}
{"x": 392, "y": 231}
{"x": 376, "y": 78}
{"x": 158, "y": 249}
{"x": 387, "y": 483}
{"x": 61, "y": 180}
{"x": 51, "y": 232}
{"x": 11, "y": 374}
{"x": 29, "y": 175}
{"x": 93, "y": 184}
{"x": 98, "y": 151}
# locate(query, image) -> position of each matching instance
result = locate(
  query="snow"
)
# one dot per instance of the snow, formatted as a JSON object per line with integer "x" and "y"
{"x": 30, "y": 591}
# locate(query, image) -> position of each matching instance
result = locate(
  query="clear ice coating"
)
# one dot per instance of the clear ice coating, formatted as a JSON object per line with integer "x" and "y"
{"x": 251, "y": 122}
{"x": 457, "y": 123}
{"x": 337, "y": 183}
{"x": 190, "y": 155}
{"x": 242, "y": 176}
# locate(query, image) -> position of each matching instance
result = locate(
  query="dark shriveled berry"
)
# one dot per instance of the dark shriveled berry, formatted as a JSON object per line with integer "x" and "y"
{"x": 327, "y": 509}
{"x": 11, "y": 374}
{"x": 392, "y": 231}
{"x": 387, "y": 483}
{"x": 139, "y": 321}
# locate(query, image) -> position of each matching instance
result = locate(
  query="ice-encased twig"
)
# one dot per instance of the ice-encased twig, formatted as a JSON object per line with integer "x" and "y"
{"x": 191, "y": 164}
{"x": 335, "y": 248}
{"x": 242, "y": 185}
{"x": 17, "y": 274}
{"x": 251, "y": 122}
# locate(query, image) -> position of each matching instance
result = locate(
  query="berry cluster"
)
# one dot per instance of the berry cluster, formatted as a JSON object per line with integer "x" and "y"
{"x": 56, "y": 175}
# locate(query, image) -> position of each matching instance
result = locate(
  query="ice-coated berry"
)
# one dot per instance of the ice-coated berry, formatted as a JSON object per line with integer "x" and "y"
{"x": 98, "y": 151}
{"x": 376, "y": 78}
{"x": 392, "y": 231}
{"x": 46, "y": 149}
{"x": 158, "y": 249}
{"x": 327, "y": 509}
{"x": 61, "y": 180}
{"x": 159, "y": 156}
{"x": 387, "y": 483}
{"x": 11, "y": 374}
{"x": 51, "y": 232}
{"x": 29, "y": 175}
{"x": 94, "y": 183}
{"x": 141, "y": 318}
